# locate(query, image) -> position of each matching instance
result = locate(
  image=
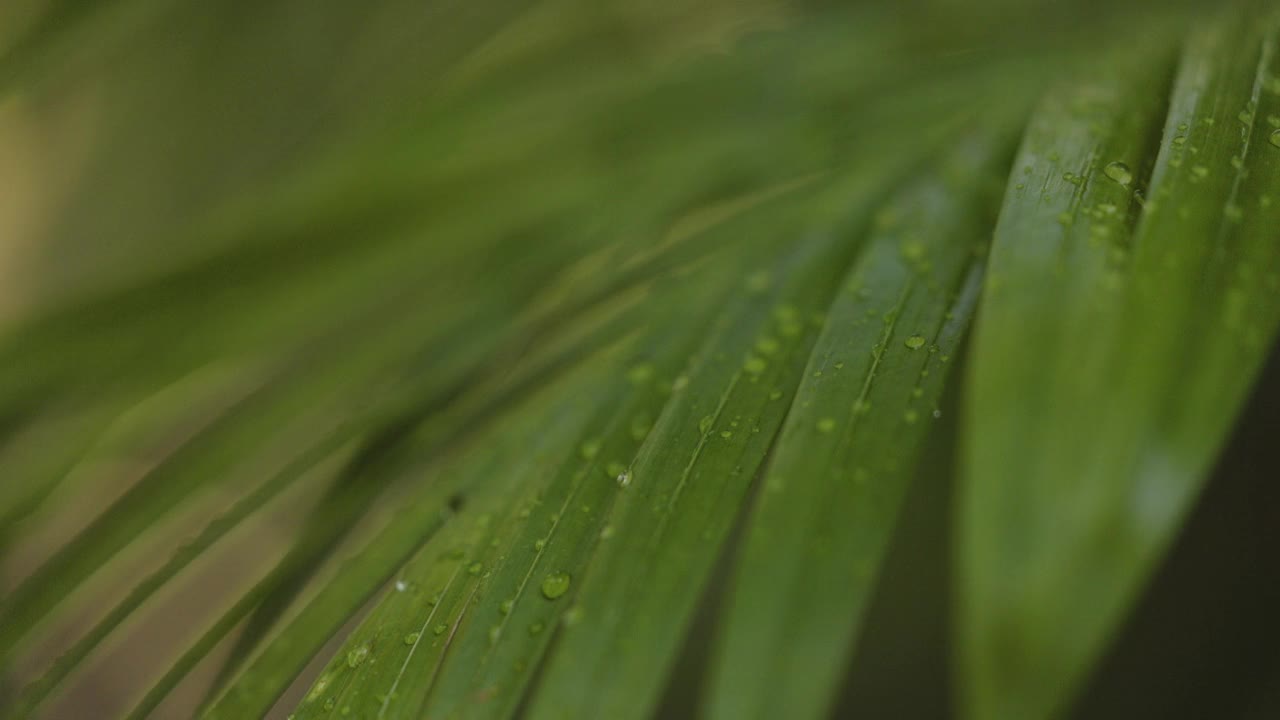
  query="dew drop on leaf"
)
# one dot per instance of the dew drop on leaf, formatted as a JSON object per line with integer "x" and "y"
{"x": 1118, "y": 172}
{"x": 555, "y": 585}
{"x": 915, "y": 342}
{"x": 357, "y": 656}
{"x": 1275, "y": 138}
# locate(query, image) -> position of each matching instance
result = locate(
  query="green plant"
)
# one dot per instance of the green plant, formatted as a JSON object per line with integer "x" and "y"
{"x": 577, "y": 359}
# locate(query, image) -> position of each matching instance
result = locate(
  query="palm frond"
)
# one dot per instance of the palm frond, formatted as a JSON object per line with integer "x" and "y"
{"x": 586, "y": 346}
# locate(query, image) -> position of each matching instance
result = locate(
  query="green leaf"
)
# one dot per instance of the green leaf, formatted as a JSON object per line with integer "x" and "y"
{"x": 521, "y": 447}
{"x": 1127, "y": 312}
{"x": 622, "y": 620}
{"x": 819, "y": 529}
{"x": 550, "y": 316}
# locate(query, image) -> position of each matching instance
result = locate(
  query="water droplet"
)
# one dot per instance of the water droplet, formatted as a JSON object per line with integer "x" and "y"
{"x": 726, "y": 434}
{"x": 539, "y": 543}
{"x": 412, "y": 638}
{"x": 329, "y": 704}
{"x": 826, "y": 425}
{"x": 555, "y": 585}
{"x": 705, "y": 424}
{"x": 318, "y": 689}
{"x": 476, "y": 568}
{"x": 535, "y": 628}
{"x": 495, "y": 632}
{"x": 1180, "y": 140}
{"x": 755, "y": 365}
{"x": 915, "y": 342}
{"x": 624, "y": 478}
{"x": 1199, "y": 172}
{"x": 911, "y": 416}
{"x": 439, "y": 629}
{"x": 775, "y": 395}
{"x": 937, "y": 414}
{"x": 401, "y": 586}
{"x": 589, "y": 449}
{"x": 505, "y": 607}
{"x": 1274, "y": 138}
{"x": 1118, "y": 172}
{"x": 357, "y": 656}
{"x": 606, "y": 532}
